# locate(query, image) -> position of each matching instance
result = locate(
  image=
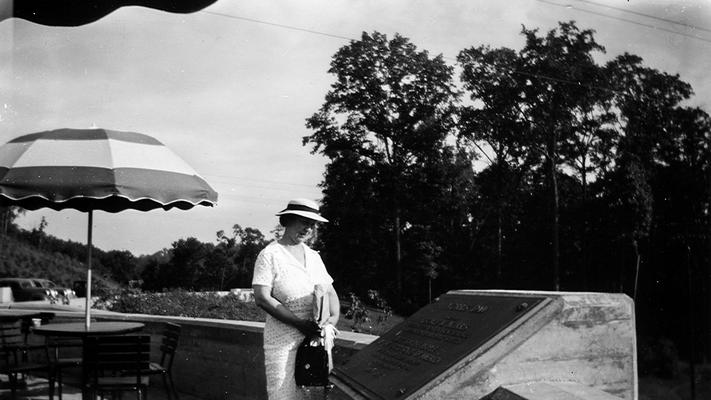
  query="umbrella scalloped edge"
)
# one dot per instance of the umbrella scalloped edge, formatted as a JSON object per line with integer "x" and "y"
{"x": 112, "y": 203}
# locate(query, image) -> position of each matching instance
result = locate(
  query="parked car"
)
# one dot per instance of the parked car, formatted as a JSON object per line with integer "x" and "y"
{"x": 57, "y": 291}
{"x": 26, "y": 289}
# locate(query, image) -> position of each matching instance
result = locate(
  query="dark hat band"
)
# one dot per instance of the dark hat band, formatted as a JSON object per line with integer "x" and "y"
{"x": 299, "y": 207}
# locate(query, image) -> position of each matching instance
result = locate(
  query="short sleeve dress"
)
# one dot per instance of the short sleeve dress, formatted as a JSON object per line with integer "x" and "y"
{"x": 292, "y": 284}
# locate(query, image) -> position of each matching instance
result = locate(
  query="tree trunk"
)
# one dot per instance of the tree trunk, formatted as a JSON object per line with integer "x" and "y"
{"x": 555, "y": 245}
{"x": 691, "y": 316}
{"x": 244, "y": 269}
{"x": 584, "y": 231}
{"x": 708, "y": 265}
{"x": 621, "y": 277}
{"x": 499, "y": 230}
{"x": 635, "y": 248}
{"x": 429, "y": 290}
{"x": 499, "y": 247}
{"x": 398, "y": 253}
{"x": 3, "y": 219}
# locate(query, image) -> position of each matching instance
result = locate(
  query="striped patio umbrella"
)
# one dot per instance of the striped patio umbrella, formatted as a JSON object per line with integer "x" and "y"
{"x": 97, "y": 169}
{"x": 81, "y": 12}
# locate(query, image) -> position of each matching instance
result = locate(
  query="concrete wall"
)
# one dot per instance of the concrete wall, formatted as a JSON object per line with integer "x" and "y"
{"x": 580, "y": 338}
{"x": 217, "y": 359}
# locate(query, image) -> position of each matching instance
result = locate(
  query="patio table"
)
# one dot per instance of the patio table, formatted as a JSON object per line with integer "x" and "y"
{"x": 79, "y": 330}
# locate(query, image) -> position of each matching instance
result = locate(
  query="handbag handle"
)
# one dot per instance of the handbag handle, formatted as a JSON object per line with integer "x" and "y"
{"x": 320, "y": 308}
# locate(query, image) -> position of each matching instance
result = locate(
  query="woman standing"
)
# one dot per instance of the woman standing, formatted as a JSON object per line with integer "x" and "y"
{"x": 285, "y": 274}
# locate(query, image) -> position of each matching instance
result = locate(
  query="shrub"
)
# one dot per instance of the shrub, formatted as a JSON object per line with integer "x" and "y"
{"x": 359, "y": 313}
{"x": 211, "y": 305}
{"x": 381, "y": 304}
{"x": 180, "y": 303}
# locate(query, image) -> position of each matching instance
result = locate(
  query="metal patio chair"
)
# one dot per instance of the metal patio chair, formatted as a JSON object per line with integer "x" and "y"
{"x": 116, "y": 364}
{"x": 16, "y": 359}
{"x": 168, "y": 346}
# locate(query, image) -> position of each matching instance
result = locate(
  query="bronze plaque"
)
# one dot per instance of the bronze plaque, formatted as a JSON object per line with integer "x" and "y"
{"x": 429, "y": 342}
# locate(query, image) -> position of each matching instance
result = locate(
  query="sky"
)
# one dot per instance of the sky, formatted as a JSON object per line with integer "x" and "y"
{"x": 229, "y": 88}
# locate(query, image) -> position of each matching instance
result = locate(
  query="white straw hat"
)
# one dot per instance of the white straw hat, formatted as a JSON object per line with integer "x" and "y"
{"x": 305, "y": 208}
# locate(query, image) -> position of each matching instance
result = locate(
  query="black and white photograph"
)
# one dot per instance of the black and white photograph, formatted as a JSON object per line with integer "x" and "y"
{"x": 355, "y": 199}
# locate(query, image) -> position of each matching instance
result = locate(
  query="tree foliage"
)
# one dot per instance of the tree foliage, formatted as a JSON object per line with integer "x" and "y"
{"x": 191, "y": 264}
{"x": 553, "y": 171}
{"x": 20, "y": 258}
{"x": 386, "y": 127}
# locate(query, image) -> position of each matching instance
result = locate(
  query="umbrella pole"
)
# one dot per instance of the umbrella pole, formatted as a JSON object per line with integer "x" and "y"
{"x": 87, "y": 312}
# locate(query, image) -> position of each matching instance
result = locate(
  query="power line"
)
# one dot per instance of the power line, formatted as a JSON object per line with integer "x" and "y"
{"x": 624, "y": 20}
{"x": 294, "y": 28}
{"x": 624, "y": 10}
{"x": 539, "y": 76}
{"x": 569, "y": 6}
{"x": 534, "y": 75}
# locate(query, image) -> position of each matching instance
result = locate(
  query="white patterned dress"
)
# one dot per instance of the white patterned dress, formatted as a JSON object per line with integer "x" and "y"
{"x": 292, "y": 284}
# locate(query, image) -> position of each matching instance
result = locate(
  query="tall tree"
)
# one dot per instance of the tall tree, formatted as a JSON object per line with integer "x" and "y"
{"x": 566, "y": 54}
{"x": 494, "y": 123}
{"x": 682, "y": 195}
{"x": 121, "y": 264}
{"x": 646, "y": 99}
{"x": 186, "y": 263}
{"x": 250, "y": 241}
{"x": 630, "y": 201}
{"x": 540, "y": 105}
{"x": 648, "y": 102}
{"x": 223, "y": 259}
{"x": 589, "y": 151}
{"x": 671, "y": 145}
{"x": 390, "y": 112}
{"x": 8, "y": 215}
{"x": 353, "y": 243}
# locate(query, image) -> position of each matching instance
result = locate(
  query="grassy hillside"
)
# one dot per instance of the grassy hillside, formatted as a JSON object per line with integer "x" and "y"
{"x": 23, "y": 260}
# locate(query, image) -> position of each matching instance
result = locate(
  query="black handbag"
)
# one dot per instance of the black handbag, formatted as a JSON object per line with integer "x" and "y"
{"x": 311, "y": 362}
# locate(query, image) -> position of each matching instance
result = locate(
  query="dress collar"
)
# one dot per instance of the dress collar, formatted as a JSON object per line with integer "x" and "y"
{"x": 303, "y": 263}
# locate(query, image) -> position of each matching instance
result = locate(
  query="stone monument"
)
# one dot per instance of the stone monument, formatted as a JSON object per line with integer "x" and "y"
{"x": 493, "y": 345}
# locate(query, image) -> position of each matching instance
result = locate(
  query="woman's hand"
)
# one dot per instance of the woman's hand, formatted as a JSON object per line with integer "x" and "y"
{"x": 308, "y": 327}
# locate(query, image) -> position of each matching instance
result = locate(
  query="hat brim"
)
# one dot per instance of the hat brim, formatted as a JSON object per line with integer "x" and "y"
{"x": 305, "y": 214}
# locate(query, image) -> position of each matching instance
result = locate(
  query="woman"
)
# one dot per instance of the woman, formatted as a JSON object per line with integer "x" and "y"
{"x": 285, "y": 274}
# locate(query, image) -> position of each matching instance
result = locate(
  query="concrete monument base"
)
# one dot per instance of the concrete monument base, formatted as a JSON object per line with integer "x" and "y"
{"x": 562, "y": 342}
{"x": 549, "y": 391}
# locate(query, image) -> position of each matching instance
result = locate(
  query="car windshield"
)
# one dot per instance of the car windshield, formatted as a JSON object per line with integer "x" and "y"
{"x": 45, "y": 283}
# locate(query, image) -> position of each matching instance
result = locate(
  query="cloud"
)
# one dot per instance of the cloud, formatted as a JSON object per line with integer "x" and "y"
{"x": 230, "y": 95}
